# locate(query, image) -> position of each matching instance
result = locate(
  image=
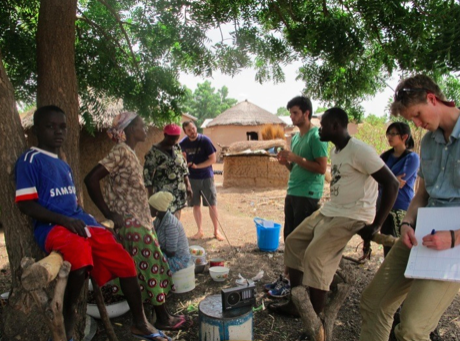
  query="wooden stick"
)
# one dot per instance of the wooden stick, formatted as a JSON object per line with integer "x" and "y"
{"x": 341, "y": 285}
{"x": 51, "y": 310}
{"x": 311, "y": 321}
{"x": 41, "y": 273}
{"x": 103, "y": 311}
{"x": 57, "y": 303}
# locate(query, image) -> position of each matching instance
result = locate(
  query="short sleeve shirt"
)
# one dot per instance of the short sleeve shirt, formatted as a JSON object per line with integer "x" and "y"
{"x": 353, "y": 190}
{"x": 440, "y": 167}
{"x": 124, "y": 191}
{"x": 42, "y": 176}
{"x": 302, "y": 182}
{"x": 198, "y": 151}
{"x": 164, "y": 172}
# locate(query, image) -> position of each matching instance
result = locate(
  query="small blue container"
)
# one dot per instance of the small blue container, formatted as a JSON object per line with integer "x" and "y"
{"x": 268, "y": 234}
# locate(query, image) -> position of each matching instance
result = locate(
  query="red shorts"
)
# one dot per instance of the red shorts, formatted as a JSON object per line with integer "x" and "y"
{"x": 106, "y": 258}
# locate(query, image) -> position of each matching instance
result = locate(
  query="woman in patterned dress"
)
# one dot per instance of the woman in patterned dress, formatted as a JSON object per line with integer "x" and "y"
{"x": 125, "y": 202}
{"x": 165, "y": 169}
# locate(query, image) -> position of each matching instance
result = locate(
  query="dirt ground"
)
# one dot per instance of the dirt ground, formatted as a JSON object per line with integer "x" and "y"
{"x": 237, "y": 209}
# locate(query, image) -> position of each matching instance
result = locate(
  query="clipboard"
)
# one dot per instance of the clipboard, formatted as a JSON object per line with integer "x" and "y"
{"x": 425, "y": 263}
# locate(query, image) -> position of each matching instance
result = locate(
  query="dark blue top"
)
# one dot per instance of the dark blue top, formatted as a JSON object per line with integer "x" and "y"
{"x": 42, "y": 176}
{"x": 198, "y": 151}
{"x": 407, "y": 164}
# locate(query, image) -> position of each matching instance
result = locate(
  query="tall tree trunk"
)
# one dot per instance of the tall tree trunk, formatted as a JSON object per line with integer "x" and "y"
{"x": 18, "y": 229}
{"x": 57, "y": 79}
{"x": 57, "y": 85}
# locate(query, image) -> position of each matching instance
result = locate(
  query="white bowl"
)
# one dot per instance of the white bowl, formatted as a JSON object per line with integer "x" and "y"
{"x": 219, "y": 273}
{"x": 197, "y": 251}
{"x": 200, "y": 260}
{"x": 113, "y": 310}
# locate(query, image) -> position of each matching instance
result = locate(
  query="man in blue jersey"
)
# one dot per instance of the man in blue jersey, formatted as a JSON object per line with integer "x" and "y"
{"x": 45, "y": 191}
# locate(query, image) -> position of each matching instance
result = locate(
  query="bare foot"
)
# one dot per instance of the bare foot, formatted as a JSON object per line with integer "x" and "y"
{"x": 218, "y": 236}
{"x": 198, "y": 235}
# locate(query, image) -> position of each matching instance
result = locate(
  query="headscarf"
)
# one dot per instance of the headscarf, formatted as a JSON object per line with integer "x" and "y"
{"x": 120, "y": 122}
{"x": 161, "y": 200}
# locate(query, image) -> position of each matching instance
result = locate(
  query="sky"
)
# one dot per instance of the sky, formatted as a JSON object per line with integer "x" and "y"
{"x": 270, "y": 96}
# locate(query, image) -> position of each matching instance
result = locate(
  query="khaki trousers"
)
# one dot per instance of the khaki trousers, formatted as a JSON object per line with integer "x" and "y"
{"x": 315, "y": 247}
{"x": 424, "y": 301}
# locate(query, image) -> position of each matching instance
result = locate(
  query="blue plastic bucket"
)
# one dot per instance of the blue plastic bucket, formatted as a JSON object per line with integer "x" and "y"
{"x": 268, "y": 234}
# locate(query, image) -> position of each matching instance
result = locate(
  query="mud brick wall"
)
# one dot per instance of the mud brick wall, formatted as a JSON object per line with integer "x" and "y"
{"x": 254, "y": 171}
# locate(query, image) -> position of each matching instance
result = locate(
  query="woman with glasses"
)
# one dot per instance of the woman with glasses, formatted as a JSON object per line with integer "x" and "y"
{"x": 404, "y": 164}
{"x": 420, "y": 100}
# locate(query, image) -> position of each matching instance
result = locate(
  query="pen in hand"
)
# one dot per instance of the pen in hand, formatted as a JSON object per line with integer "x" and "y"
{"x": 433, "y": 231}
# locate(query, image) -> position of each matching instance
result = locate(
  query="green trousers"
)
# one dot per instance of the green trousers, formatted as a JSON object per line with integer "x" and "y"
{"x": 424, "y": 301}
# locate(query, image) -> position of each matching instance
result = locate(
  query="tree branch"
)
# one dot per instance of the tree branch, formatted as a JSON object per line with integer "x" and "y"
{"x": 120, "y": 23}
{"x": 103, "y": 32}
{"x": 325, "y": 11}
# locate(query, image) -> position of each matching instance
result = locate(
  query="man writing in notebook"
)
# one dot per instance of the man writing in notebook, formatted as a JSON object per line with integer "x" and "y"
{"x": 420, "y": 100}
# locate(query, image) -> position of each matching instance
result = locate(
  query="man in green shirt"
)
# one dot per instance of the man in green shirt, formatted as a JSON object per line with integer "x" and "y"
{"x": 307, "y": 162}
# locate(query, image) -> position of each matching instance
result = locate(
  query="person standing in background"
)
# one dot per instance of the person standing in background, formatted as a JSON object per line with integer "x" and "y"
{"x": 166, "y": 170}
{"x": 201, "y": 155}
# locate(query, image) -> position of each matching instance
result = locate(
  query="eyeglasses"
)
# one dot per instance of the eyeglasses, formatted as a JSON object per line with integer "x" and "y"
{"x": 393, "y": 134}
{"x": 401, "y": 95}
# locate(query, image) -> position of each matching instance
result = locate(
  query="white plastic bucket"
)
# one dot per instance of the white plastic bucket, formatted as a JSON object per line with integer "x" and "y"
{"x": 184, "y": 279}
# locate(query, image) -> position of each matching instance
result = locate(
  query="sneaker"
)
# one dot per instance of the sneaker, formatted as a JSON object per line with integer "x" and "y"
{"x": 272, "y": 285}
{"x": 282, "y": 289}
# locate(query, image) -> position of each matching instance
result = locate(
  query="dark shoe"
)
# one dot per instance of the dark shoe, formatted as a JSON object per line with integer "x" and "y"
{"x": 283, "y": 309}
{"x": 282, "y": 289}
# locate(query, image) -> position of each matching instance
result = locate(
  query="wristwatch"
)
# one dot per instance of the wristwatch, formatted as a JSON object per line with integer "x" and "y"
{"x": 407, "y": 223}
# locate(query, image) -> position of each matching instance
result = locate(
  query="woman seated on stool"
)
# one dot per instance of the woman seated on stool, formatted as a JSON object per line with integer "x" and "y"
{"x": 170, "y": 232}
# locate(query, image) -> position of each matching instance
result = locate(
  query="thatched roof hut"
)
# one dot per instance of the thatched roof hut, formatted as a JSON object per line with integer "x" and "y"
{"x": 245, "y": 114}
{"x": 101, "y": 118}
{"x": 242, "y": 122}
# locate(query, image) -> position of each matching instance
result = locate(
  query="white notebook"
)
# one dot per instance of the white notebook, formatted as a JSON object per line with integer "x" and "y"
{"x": 428, "y": 263}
